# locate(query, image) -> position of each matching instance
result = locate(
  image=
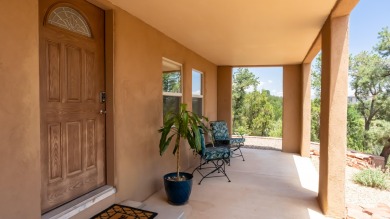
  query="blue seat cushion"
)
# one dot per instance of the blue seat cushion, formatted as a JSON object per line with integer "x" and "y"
{"x": 237, "y": 140}
{"x": 230, "y": 141}
{"x": 221, "y": 134}
{"x": 219, "y": 130}
{"x": 216, "y": 153}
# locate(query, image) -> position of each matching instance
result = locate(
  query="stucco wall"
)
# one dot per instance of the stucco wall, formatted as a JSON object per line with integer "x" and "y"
{"x": 138, "y": 52}
{"x": 137, "y": 108}
{"x": 225, "y": 77}
{"x": 19, "y": 110}
{"x": 333, "y": 130}
{"x": 292, "y": 100}
{"x": 306, "y": 110}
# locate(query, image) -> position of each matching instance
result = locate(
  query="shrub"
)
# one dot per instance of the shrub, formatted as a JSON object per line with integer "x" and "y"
{"x": 372, "y": 178}
{"x": 241, "y": 130}
{"x": 277, "y": 128}
{"x": 377, "y": 135}
{"x": 355, "y": 129}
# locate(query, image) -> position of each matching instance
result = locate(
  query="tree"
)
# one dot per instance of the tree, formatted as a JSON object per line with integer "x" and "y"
{"x": 243, "y": 79}
{"x": 277, "y": 128}
{"x": 259, "y": 113}
{"x": 355, "y": 129}
{"x": 315, "y": 120}
{"x": 377, "y": 137}
{"x": 316, "y": 102}
{"x": 383, "y": 47}
{"x": 251, "y": 108}
{"x": 316, "y": 76}
{"x": 277, "y": 104}
{"x": 171, "y": 82}
{"x": 371, "y": 86}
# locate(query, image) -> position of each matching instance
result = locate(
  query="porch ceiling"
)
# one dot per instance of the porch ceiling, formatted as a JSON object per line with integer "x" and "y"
{"x": 237, "y": 32}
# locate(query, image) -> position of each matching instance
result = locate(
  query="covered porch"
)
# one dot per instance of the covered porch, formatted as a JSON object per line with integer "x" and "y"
{"x": 269, "y": 183}
{"x": 138, "y": 36}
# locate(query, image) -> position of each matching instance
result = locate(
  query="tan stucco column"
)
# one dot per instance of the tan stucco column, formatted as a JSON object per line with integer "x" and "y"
{"x": 334, "y": 85}
{"x": 292, "y": 123}
{"x": 306, "y": 110}
{"x": 296, "y": 109}
{"x": 224, "y": 94}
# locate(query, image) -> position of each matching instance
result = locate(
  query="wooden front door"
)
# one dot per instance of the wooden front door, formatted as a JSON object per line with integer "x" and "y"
{"x": 72, "y": 109}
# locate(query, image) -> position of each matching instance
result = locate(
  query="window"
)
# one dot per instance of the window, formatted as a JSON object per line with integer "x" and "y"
{"x": 172, "y": 87}
{"x": 69, "y": 19}
{"x": 197, "y": 92}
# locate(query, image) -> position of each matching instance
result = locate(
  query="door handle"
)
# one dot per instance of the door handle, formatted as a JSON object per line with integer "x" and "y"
{"x": 102, "y": 112}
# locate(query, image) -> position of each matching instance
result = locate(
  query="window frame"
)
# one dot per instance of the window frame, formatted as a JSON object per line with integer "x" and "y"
{"x": 173, "y": 94}
{"x": 201, "y": 96}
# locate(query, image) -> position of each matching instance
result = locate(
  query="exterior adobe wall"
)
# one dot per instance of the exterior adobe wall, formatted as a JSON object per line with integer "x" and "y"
{"x": 19, "y": 111}
{"x": 138, "y": 52}
{"x": 136, "y": 167}
{"x": 292, "y": 108}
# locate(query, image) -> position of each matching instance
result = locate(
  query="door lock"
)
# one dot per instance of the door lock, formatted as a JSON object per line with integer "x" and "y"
{"x": 102, "y": 97}
{"x": 103, "y": 112}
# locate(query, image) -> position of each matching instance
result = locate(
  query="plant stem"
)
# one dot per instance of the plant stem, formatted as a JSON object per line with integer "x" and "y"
{"x": 178, "y": 158}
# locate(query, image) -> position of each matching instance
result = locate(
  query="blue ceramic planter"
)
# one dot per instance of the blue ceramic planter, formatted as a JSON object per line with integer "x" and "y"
{"x": 178, "y": 192}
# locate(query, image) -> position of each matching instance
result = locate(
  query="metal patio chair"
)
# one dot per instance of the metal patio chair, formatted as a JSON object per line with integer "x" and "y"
{"x": 212, "y": 161}
{"x": 221, "y": 137}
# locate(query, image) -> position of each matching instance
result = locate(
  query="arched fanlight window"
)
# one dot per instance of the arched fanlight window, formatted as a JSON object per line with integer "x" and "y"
{"x": 69, "y": 19}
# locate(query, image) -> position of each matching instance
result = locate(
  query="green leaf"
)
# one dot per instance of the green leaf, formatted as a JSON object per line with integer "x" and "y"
{"x": 181, "y": 125}
{"x": 164, "y": 146}
{"x": 177, "y": 145}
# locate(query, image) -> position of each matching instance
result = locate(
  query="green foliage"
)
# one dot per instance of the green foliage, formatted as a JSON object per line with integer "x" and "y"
{"x": 172, "y": 82}
{"x": 277, "y": 104}
{"x": 258, "y": 113}
{"x": 377, "y": 136}
{"x": 263, "y": 121}
{"x": 242, "y": 130}
{"x": 316, "y": 103}
{"x": 384, "y": 113}
{"x": 315, "y": 120}
{"x": 383, "y": 47}
{"x": 184, "y": 125}
{"x": 370, "y": 78}
{"x": 277, "y": 129}
{"x": 243, "y": 79}
{"x": 355, "y": 129}
{"x": 372, "y": 178}
{"x": 255, "y": 112}
{"x": 316, "y": 76}
{"x": 372, "y": 87}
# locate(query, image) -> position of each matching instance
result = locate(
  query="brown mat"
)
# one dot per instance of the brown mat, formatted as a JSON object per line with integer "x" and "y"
{"x": 124, "y": 212}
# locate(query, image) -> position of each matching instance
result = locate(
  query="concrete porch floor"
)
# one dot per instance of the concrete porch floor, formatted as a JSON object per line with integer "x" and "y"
{"x": 268, "y": 184}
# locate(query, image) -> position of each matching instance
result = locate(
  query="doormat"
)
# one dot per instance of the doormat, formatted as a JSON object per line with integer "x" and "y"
{"x": 124, "y": 212}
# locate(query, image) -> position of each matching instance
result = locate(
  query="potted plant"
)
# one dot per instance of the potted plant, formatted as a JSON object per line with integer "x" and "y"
{"x": 182, "y": 125}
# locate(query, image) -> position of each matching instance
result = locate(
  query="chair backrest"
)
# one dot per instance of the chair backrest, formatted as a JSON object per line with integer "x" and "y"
{"x": 202, "y": 141}
{"x": 219, "y": 130}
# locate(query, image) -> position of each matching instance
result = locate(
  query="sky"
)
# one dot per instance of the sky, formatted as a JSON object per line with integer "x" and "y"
{"x": 366, "y": 20}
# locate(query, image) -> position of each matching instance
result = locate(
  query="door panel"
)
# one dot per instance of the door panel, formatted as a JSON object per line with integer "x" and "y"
{"x": 72, "y": 129}
{"x": 90, "y": 73}
{"x": 91, "y": 150}
{"x": 53, "y": 71}
{"x": 55, "y": 149}
{"x": 73, "y": 148}
{"x": 73, "y": 73}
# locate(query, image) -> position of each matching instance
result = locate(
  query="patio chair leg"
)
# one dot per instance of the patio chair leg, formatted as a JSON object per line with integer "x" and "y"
{"x": 241, "y": 153}
{"x": 236, "y": 153}
{"x": 218, "y": 167}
